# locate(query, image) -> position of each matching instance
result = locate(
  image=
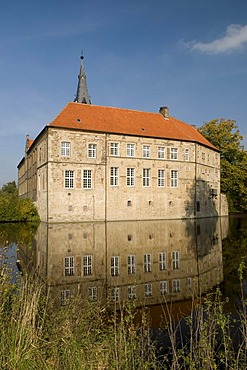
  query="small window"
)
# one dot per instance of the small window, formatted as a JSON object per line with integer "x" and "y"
{"x": 163, "y": 287}
{"x": 175, "y": 260}
{"x": 174, "y": 178}
{"x": 114, "y": 149}
{"x": 131, "y": 264}
{"x": 65, "y": 149}
{"x": 161, "y": 152}
{"x": 130, "y": 150}
{"x": 147, "y": 263}
{"x": 129, "y": 204}
{"x": 186, "y": 154}
{"x": 146, "y": 177}
{"x": 64, "y": 297}
{"x": 162, "y": 261}
{"x": 87, "y": 265}
{"x": 174, "y": 153}
{"x": 115, "y": 294}
{"x": 92, "y": 150}
{"x": 146, "y": 151}
{"x": 132, "y": 292}
{"x": 161, "y": 178}
{"x": 69, "y": 179}
{"x": 93, "y": 292}
{"x": 114, "y": 265}
{"x": 148, "y": 290}
{"x": 176, "y": 286}
{"x": 114, "y": 176}
{"x": 69, "y": 266}
{"x": 130, "y": 179}
{"x": 87, "y": 179}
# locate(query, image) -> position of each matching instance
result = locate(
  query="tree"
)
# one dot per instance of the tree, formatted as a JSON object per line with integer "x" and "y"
{"x": 10, "y": 188}
{"x": 225, "y": 135}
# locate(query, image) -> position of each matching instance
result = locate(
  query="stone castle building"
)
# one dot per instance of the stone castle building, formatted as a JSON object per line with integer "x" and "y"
{"x": 97, "y": 163}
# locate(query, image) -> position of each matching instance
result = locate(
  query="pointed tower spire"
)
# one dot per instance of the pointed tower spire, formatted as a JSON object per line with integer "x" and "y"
{"x": 82, "y": 92}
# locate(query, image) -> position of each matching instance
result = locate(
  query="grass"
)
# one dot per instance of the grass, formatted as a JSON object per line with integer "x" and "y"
{"x": 87, "y": 336}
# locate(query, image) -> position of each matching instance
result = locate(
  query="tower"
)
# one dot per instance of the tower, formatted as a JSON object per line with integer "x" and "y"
{"x": 82, "y": 92}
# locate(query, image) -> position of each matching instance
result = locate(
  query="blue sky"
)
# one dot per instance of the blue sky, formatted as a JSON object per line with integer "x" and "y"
{"x": 189, "y": 55}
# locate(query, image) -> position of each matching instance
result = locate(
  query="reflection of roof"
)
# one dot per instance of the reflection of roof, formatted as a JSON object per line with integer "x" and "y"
{"x": 127, "y": 122}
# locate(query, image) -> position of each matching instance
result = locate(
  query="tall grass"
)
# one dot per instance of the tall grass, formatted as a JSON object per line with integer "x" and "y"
{"x": 34, "y": 334}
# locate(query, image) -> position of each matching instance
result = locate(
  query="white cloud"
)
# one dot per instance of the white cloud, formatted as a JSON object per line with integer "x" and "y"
{"x": 235, "y": 38}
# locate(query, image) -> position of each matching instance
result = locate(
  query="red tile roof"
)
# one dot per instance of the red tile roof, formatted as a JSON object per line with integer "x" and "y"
{"x": 127, "y": 122}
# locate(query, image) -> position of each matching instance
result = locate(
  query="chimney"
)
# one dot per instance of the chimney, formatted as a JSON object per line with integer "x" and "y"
{"x": 165, "y": 112}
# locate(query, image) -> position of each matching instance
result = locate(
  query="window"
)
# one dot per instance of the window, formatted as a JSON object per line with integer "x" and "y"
{"x": 162, "y": 261}
{"x": 186, "y": 154}
{"x": 114, "y": 176}
{"x": 146, "y": 177}
{"x": 92, "y": 292}
{"x": 65, "y": 149}
{"x": 69, "y": 266}
{"x": 174, "y": 153}
{"x": 114, "y": 265}
{"x": 131, "y": 264}
{"x": 174, "y": 178}
{"x": 148, "y": 290}
{"x": 163, "y": 287}
{"x": 69, "y": 179}
{"x": 161, "y": 178}
{"x": 203, "y": 156}
{"x": 115, "y": 294}
{"x": 130, "y": 150}
{"x": 147, "y": 263}
{"x": 87, "y": 265}
{"x": 114, "y": 149}
{"x": 64, "y": 297}
{"x": 175, "y": 260}
{"x": 87, "y": 179}
{"x": 131, "y": 292}
{"x": 176, "y": 286}
{"x": 92, "y": 150}
{"x": 130, "y": 177}
{"x": 161, "y": 152}
{"x": 190, "y": 283}
{"x": 146, "y": 151}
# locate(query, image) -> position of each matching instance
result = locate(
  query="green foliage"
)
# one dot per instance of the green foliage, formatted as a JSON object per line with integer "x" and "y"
{"x": 224, "y": 134}
{"x": 13, "y": 208}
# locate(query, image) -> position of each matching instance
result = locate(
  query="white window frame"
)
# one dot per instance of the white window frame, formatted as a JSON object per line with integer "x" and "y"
{"x": 130, "y": 176}
{"x": 69, "y": 179}
{"x": 174, "y": 154}
{"x": 161, "y": 178}
{"x": 164, "y": 287}
{"x": 176, "y": 286}
{"x": 148, "y": 289}
{"x": 115, "y": 294}
{"x": 64, "y": 297}
{"x": 161, "y": 152}
{"x": 175, "y": 260}
{"x": 146, "y": 151}
{"x": 131, "y": 264}
{"x": 147, "y": 262}
{"x": 146, "y": 176}
{"x": 114, "y": 149}
{"x": 87, "y": 182}
{"x": 93, "y": 292}
{"x": 131, "y": 291}
{"x": 114, "y": 265}
{"x": 186, "y": 154}
{"x": 114, "y": 176}
{"x": 65, "y": 149}
{"x": 87, "y": 265}
{"x": 174, "y": 178}
{"x": 69, "y": 266}
{"x": 162, "y": 261}
{"x": 130, "y": 151}
{"x": 92, "y": 150}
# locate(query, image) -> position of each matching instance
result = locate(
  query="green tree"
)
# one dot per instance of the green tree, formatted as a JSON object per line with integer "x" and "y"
{"x": 9, "y": 188}
{"x": 225, "y": 135}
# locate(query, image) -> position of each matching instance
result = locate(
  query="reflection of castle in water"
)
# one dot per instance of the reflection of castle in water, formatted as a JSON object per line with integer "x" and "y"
{"x": 151, "y": 261}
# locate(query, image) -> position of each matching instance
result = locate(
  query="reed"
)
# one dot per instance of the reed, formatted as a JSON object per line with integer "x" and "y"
{"x": 88, "y": 336}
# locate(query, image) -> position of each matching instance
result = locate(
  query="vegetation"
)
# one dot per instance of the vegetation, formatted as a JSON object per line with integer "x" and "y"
{"x": 84, "y": 335}
{"x": 13, "y": 208}
{"x": 224, "y": 134}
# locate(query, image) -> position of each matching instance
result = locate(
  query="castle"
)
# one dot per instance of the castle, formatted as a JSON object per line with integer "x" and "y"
{"x": 98, "y": 163}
